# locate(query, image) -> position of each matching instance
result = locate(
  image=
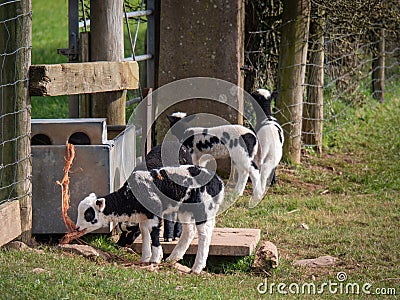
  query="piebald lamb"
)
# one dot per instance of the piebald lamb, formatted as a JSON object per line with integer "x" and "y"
{"x": 234, "y": 141}
{"x": 168, "y": 153}
{"x": 270, "y": 138}
{"x": 195, "y": 193}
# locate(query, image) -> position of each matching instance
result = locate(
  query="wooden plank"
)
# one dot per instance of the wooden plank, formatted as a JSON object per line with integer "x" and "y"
{"x": 10, "y": 222}
{"x": 224, "y": 242}
{"x": 82, "y": 78}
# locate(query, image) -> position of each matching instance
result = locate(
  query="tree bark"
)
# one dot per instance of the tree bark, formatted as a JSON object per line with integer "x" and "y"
{"x": 292, "y": 62}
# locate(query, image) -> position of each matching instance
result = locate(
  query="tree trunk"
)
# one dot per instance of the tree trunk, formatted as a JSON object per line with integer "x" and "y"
{"x": 15, "y": 171}
{"x": 313, "y": 110}
{"x": 107, "y": 44}
{"x": 292, "y": 62}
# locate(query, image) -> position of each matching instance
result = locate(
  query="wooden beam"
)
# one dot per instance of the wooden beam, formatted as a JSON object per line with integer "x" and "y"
{"x": 10, "y": 222}
{"x": 82, "y": 78}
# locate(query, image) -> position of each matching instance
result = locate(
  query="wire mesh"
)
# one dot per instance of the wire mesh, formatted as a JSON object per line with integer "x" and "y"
{"x": 347, "y": 36}
{"x": 14, "y": 110}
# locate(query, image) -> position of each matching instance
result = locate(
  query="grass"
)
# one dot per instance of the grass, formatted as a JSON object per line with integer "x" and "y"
{"x": 348, "y": 197}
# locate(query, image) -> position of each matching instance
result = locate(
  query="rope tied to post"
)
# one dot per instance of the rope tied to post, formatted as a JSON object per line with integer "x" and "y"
{"x": 65, "y": 198}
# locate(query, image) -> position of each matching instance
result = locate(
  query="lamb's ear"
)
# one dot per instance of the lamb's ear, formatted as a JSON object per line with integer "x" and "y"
{"x": 172, "y": 120}
{"x": 100, "y": 204}
{"x": 273, "y": 95}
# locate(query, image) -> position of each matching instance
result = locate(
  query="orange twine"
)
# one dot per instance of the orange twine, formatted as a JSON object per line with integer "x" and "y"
{"x": 65, "y": 197}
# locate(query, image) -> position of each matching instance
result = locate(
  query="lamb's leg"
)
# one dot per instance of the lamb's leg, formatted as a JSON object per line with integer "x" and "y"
{"x": 265, "y": 180}
{"x": 129, "y": 233}
{"x": 243, "y": 175}
{"x": 204, "y": 231}
{"x": 168, "y": 227}
{"x": 188, "y": 232}
{"x": 273, "y": 175}
{"x": 258, "y": 191}
{"x": 146, "y": 241}
{"x": 267, "y": 173}
{"x": 156, "y": 249}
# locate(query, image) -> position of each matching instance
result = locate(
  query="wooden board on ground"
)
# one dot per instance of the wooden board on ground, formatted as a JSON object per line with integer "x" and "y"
{"x": 83, "y": 78}
{"x": 224, "y": 242}
{"x": 10, "y": 221}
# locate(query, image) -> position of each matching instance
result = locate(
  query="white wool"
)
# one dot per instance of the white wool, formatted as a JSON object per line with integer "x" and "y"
{"x": 179, "y": 115}
{"x": 243, "y": 162}
{"x": 264, "y": 92}
{"x": 270, "y": 137}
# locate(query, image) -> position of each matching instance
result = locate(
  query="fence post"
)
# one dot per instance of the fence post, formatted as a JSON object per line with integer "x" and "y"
{"x": 313, "y": 110}
{"x": 15, "y": 165}
{"x": 107, "y": 44}
{"x": 378, "y": 67}
{"x": 292, "y": 62}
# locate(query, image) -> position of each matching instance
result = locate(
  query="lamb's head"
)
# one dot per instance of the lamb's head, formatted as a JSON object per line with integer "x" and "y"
{"x": 179, "y": 122}
{"x": 90, "y": 213}
{"x": 264, "y": 99}
{"x": 175, "y": 118}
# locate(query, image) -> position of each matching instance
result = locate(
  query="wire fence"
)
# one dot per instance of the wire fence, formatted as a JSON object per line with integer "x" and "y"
{"x": 15, "y": 48}
{"x": 353, "y": 53}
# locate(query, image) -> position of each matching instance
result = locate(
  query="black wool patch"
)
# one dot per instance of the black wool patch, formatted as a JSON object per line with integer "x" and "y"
{"x": 226, "y": 135}
{"x": 198, "y": 211}
{"x": 280, "y": 133}
{"x": 188, "y": 141}
{"x": 123, "y": 202}
{"x": 89, "y": 214}
{"x": 188, "y": 182}
{"x": 169, "y": 189}
{"x": 207, "y": 144}
{"x": 248, "y": 141}
{"x": 194, "y": 171}
{"x": 155, "y": 236}
{"x": 214, "y": 187}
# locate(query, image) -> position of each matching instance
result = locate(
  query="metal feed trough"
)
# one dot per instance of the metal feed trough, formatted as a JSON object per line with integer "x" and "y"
{"x": 100, "y": 166}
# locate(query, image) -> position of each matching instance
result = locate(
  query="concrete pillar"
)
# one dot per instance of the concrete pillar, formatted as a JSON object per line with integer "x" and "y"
{"x": 201, "y": 39}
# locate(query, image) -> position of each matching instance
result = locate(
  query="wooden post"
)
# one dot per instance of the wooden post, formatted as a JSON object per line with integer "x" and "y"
{"x": 107, "y": 44}
{"x": 84, "y": 56}
{"x": 292, "y": 62}
{"x": 313, "y": 111}
{"x": 378, "y": 68}
{"x": 15, "y": 172}
{"x": 73, "y": 30}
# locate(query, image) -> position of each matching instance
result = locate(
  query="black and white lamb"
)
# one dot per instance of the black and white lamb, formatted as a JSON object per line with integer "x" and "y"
{"x": 270, "y": 138}
{"x": 193, "y": 192}
{"x": 234, "y": 141}
{"x": 168, "y": 153}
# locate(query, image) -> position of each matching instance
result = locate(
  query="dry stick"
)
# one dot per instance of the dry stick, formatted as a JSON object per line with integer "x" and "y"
{"x": 73, "y": 233}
